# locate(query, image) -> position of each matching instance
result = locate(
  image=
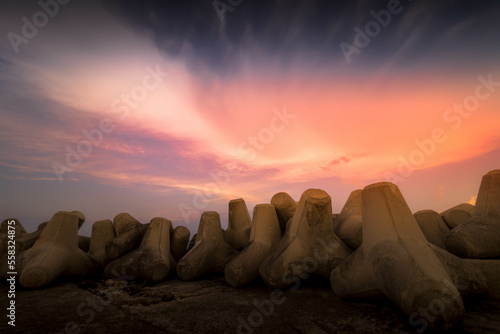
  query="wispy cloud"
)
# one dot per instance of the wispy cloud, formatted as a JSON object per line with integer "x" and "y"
{"x": 334, "y": 162}
{"x": 217, "y": 107}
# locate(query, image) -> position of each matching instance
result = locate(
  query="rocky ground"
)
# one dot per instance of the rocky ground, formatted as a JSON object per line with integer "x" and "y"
{"x": 211, "y": 306}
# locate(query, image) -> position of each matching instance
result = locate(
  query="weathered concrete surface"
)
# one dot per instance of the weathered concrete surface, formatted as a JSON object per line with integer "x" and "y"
{"x": 210, "y": 252}
{"x": 237, "y": 234}
{"x": 285, "y": 208}
{"x": 302, "y": 247}
{"x": 210, "y": 306}
{"x": 56, "y": 253}
{"x": 433, "y": 226}
{"x": 396, "y": 259}
{"x": 348, "y": 225}
{"x": 457, "y": 215}
{"x": 265, "y": 233}
{"x": 479, "y": 236}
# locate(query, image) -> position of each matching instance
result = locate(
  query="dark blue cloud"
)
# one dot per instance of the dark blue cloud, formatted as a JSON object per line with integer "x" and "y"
{"x": 4, "y": 63}
{"x": 283, "y": 30}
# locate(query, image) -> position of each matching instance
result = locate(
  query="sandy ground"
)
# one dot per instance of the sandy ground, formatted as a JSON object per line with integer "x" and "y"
{"x": 211, "y": 306}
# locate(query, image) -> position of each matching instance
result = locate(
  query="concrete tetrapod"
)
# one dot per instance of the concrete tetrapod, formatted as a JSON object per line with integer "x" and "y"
{"x": 309, "y": 244}
{"x": 479, "y": 236}
{"x": 288, "y": 223}
{"x": 285, "y": 208}
{"x": 102, "y": 233}
{"x": 237, "y": 233}
{"x": 81, "y": 218}
{"x": 84, "y": 243}
{"x": 397, "y": 260}
{"x": 43, "y": 225}
{"x": 56, "y": 253}
{"x": 433, "y": 226}
{"x": 192, "y": 242}
{"x": 210, "y": 252}
{"x": 10, "y": 230}
{"x": 129, "y": 234}
{"x": 179, "y": 239}
{"x": 124, "y": 222}
{"x": 26, "y": 241}
{"x": 467, "y": 277}
{"x": 17, "y": 227}
{"x": 152, "y": 260}
{"x": 457, "y": 215}
{"x": 266, "y": 232}
{"x": 490, "y": 270}
{"x": 348, "y": 224}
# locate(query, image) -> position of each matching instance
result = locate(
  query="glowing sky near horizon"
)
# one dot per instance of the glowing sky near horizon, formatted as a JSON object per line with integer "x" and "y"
{"x": 262, "y": 102}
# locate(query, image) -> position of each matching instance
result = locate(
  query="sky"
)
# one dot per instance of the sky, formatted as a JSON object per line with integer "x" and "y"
{"x": 172, "y": 108}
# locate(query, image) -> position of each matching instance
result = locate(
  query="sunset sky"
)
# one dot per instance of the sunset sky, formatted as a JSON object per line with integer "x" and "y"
{"x": 189, "y": 104}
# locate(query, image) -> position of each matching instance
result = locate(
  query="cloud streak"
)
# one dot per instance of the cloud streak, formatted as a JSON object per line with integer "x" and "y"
{"x": 216, "y": 112}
